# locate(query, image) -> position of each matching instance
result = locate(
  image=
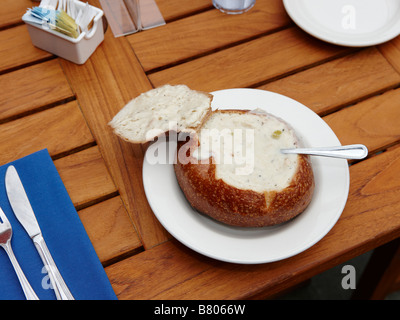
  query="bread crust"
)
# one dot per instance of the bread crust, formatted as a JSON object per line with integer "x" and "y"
{"x": 239, "y": 207}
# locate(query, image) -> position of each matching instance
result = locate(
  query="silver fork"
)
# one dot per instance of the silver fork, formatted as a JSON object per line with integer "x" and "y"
{"x": 5, "y": 242}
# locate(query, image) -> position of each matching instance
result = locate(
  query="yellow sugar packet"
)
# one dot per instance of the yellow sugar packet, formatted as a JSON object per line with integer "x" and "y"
{"x": 66, "y": 24}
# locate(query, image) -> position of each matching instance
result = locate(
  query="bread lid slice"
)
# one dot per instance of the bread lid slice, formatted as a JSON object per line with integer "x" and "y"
{"x": 160, "y": 110}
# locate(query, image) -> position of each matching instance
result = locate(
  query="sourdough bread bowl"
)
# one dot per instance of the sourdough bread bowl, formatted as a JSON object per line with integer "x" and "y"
{"x": 263, "y": 188}
{"x": 229, "y": 167}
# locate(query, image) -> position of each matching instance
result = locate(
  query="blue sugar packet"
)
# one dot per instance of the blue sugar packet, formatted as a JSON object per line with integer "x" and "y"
{"x": 29, "y": 17}
{"x": 46, "y": 15}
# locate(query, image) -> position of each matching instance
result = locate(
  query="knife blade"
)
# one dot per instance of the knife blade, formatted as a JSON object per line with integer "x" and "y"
{"x": 23, "y": 211}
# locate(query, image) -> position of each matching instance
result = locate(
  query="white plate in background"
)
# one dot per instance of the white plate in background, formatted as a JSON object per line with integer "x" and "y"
{"x": 354, "y": 23}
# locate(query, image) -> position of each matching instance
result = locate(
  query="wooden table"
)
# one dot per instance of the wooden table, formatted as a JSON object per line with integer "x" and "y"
{"x": 48, "y": 102}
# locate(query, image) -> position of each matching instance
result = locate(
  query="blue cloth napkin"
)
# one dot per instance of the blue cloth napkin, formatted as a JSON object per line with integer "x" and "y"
{"x": 62, "y": 230}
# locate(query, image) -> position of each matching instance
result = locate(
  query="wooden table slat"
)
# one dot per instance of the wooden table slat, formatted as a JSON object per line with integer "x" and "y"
{"x": 205, "y": 32}
{"x": 103, "y": 85}
{"x": 17, "y": 50}
{"x": 85, "y": 176}
{"x": 110, "y": 229}
{"x": 12, "y": 11}
{"x": 59, "y": 129}
{"x": 31, "y": 88}
{"x": 250, "y": 63}
{"x": 373, "y": 122}
{"x": 172, "y": 9}
{"x": 340, "y": 82}
{"x": 391, "y": 51}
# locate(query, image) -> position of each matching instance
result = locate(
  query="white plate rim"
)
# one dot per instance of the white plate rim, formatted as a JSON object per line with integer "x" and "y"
{"x": 293, "y": 9}
{"x": 184, "y": 239}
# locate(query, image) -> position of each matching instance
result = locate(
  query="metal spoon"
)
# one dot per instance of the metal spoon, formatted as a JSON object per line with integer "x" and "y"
{"x": 353, "y": 151}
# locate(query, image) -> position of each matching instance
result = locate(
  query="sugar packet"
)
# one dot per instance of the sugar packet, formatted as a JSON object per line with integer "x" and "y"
{"x": 64, "y": 16}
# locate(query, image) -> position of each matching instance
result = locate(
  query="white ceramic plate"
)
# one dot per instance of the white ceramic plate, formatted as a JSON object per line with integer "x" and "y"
{"x": 258, "y": 245}
{"x": 353, "y": 23}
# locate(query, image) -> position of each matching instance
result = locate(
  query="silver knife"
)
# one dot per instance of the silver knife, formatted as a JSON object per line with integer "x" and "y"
{"x": 23, "y": 211}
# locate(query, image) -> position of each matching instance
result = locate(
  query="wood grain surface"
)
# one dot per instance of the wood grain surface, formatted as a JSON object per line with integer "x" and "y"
{"x": 339, "y": 83}
{"x": 49, "y": 102}
{"x": 13, "y": 11}
{"x": 251, "y": 63}
{"x": 58, "y": 129}
{"x": 187, "y": 35}
{"x": 16, "y": 49}
{"x": 112, "y": 83}
{"x": 32, "y": 88}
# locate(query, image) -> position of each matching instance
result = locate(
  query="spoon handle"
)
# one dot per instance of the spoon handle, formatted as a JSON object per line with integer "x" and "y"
{"x": 353, "y": 151}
